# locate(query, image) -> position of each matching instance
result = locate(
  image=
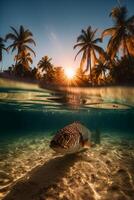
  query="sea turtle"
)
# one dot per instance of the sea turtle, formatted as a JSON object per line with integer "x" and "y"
{"x": 71, "y": 139}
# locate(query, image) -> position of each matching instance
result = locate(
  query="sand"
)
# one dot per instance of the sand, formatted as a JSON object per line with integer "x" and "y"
{"x": 31, "y": 171}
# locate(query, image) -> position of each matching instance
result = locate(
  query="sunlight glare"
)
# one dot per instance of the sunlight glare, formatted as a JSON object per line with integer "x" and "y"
{"x": 70, "y": 73}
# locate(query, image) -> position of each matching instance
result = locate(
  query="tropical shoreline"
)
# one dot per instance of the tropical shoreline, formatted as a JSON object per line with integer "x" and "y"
{"x": 57, "y": 86}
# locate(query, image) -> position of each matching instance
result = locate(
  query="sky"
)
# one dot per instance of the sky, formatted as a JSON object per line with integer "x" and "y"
{"x": 56, "y": 24}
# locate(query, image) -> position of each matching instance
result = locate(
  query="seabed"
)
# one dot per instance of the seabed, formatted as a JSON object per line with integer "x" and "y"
{"x": 31, "y": 171}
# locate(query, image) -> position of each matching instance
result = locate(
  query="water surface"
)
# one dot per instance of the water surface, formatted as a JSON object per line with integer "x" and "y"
{"x": 30, "y": 116}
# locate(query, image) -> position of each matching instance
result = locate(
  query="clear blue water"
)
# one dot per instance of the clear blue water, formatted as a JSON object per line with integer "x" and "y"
{"x": 30, "y": 116}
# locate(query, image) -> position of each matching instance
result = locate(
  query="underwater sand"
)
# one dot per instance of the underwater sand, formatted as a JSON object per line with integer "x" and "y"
{"x": 29, "y": 170}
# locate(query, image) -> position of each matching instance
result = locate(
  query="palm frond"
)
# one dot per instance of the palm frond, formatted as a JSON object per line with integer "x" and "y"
{"x": 84, "y": 33}
{"x": 30, "y": 60}
{"x": 82, "y": 49}
{"x": 13, "y": 49}
{"x": 119, "y": 14}
{"x": 28, "y": 33}
{"x": 114, "y": 45}
{"x": 79, "y": 45}
{"x": 15, "y": 31}
{"x": 31, "y": 50}
{"x": 130, "y": 20}
{"x": 97, "y": 40}
{"x": 81, "y": 38}
{"x": 99, "y": 50}
{"x": 21, "y": 30}
{"x": 30, "y": 40}
{"x": 14, "y": 46}
{"x": 109, "y": 31}
{"x": 92, "y": 33}
{"x": 10, "y": 36}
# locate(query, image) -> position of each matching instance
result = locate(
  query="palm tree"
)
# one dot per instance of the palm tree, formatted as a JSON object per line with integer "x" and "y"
{"x": 21, "y": 39}
{"x": 122, "y": 33}
{"x": 87, "y": 44}
{"x": 24, "y": 58}
{"x": 45, "y": 64}
{"x": 45, "y": 69}
{"x": 2, "y": 47}
{"x": 81, "y": 78}
{"x": 123, "y": 71}
{"x": 99, "y": 71}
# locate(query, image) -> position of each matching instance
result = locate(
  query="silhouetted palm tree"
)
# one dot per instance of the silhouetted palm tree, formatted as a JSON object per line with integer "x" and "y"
{"x": 21, "y": 39}
{"x": 45, "y": 69}
{"x": 87, "y": 44}
{"x": 99, "y": 71}
{"x": 123, "y": 71}
{"x": 122, "y": 33}
{"x": 24, "y": 58}
{"x": 80, "y": 78}
{"x": 45, "y": 64}
{"x": 2, "y": 47}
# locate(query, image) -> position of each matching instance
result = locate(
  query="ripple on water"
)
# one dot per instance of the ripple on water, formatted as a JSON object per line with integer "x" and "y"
{"x": 113, "y": 106}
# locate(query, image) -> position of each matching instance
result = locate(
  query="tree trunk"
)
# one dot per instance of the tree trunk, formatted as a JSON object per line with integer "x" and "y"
{"x": 16, "y": 62}
{"x": 1, "y": 61}
{"x": 89, "y": 64}
{"x": 104, "y": 75}
{"x": 130, "y": 58}
{"x": 124, "y": 47}
{"x": 90, "y": 72}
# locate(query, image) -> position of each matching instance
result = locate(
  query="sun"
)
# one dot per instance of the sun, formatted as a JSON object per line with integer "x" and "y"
{"x": 70, "y": 73}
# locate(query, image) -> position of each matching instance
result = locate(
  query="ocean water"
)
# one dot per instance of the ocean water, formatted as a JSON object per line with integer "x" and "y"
{"x": 30, "y": 117}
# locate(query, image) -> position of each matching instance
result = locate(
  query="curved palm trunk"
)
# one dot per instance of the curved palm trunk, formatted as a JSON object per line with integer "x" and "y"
{"x": 104, "y": 75}
{"x": 124, "y": 47}
{"x": 89, "y": 67}
{"x": 19, "y": 51}
{"x": 16, "y": 62}
{"x": 1, "y": 66}
{"x": 126, "y": 50}
{"x": 1, "y": 61}
{"x": 89, "y": 64}
{"x": 130, "y": 58}
{"x": 90, "y": 72}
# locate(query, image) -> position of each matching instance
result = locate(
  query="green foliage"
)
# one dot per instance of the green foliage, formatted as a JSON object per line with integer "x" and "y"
{"x": 24, "y": 58}
{"x": 20, "y": 41}
{"x": 2, "y": 47}
{"x": 121, "y": 34}
{"x": 45, "y": 70}
{"x": 99, "y": 72}
{"x": 81, "y": 79}
{"x": 123, "y": 71}
{"x": 104, "y": 67}
{"x": 87, "y": 44}
{"x": 34, "y": 73}
{"x": 21, "y": 71}
{"x": 45, "y": 64}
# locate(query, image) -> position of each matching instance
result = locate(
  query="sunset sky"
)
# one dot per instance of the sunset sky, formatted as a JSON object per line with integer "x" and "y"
{"x": 56, "y": 24}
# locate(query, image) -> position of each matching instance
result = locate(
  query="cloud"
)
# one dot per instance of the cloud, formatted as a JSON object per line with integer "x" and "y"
{"x": 53, "y": 36}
